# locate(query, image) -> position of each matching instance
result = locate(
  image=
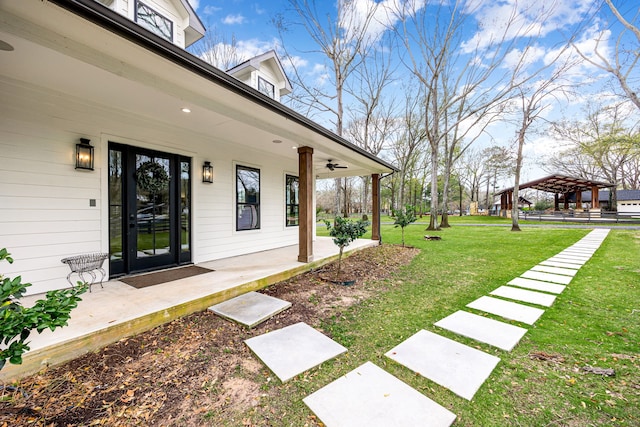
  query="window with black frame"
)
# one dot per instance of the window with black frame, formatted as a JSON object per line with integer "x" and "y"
{"x": 247, "y": 198}
{"x": 266, "y": 87}
{"x": 292, "y": 201}
{"x": 153, "y": 21}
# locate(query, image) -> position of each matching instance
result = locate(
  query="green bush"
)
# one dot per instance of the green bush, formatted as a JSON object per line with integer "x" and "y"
{"x": 344, "y": 232}
{"x": 17, "y": 322}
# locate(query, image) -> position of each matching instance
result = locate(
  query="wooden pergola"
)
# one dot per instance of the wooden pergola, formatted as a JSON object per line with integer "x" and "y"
{"x": 558, "y": 184}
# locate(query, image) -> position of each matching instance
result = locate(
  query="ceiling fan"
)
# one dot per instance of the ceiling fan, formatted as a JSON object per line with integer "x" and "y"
{"x": 331, "y": 166}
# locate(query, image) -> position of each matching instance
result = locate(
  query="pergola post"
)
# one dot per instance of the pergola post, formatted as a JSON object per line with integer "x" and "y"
{"x": 375, "y": 206}
{"x": 579, "y": 199}
{"x": 556, "y": 202}
{"x": 566, "y": 201}
{"x": 595, "y": 202}
{"x": 305, "y": 228}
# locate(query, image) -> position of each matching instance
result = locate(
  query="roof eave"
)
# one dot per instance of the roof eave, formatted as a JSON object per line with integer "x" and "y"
{"x": 120, "y": 25}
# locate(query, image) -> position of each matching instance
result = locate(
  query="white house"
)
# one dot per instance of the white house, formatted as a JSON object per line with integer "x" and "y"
{"x": 160, "y": 123}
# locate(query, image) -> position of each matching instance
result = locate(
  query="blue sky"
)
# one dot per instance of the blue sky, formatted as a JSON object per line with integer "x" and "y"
{"x": 249, "y": 21}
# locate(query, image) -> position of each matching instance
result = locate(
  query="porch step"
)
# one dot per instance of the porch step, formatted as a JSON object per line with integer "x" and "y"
{"x": 250, "y": 309}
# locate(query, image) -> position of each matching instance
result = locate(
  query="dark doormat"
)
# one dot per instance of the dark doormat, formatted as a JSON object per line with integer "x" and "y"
{"x": 150, "y": 279}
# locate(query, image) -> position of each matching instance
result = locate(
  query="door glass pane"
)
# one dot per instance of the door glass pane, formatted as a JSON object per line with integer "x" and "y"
{"x": 153, "y": 221}
{"x": 185, "y": 204}
{"x": 115, "y": 204}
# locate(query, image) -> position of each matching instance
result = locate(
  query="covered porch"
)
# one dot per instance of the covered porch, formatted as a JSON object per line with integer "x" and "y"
{"x": 118, "y": 310}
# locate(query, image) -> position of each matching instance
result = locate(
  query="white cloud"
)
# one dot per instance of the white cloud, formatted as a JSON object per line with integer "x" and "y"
{"x": 194, "y": 4}
{"x": 384, "y": 15}
{"x": 211, "y": 10}
{"x": 294, "y": 62}
{"x": 513, "y": 19}
{"x": 233, "y": 19}
{"x": 529, "y": 56}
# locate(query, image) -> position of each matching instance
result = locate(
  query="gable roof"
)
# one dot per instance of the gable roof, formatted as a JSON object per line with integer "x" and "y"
{"x": 560, "y": 184}
{"x": 195, "y": 31}
{"x": 254, "y": 64}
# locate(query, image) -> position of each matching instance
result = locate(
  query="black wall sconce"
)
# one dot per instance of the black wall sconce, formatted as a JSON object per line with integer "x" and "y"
{"x": 207, "y": 172}
{"x": 84, "y": 155}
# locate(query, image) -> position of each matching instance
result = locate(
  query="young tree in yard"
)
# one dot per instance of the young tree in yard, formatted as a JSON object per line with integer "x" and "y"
{"x": 17, "y": 322}
{"x": 404, "y": 217}
{"x": 344, "y": 232}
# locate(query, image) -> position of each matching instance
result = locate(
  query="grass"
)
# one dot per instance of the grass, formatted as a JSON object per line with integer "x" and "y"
{"x": 594, "y": 322}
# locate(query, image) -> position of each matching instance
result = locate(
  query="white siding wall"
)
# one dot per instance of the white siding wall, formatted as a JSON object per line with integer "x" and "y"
{"x": 45, "y": 212}
{"x": 44, "y": 202}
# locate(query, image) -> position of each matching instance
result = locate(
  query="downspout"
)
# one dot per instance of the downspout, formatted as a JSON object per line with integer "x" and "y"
{"x": 379, "y": 199}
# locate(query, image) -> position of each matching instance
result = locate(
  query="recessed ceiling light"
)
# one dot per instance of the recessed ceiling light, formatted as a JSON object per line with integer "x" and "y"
{"x": 186, "y": 110}
{"x": 277, "y": 141}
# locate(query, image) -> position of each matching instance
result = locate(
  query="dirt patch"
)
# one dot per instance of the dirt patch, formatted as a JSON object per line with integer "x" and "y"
{"x": 194, "y": 370}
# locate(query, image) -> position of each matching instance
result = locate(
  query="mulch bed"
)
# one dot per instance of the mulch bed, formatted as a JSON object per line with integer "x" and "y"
{"x": 194, "y": 370}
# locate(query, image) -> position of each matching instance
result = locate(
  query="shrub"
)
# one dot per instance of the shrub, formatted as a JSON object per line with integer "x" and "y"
{"x": 17, "y": 322}
{"x": 344, "y": 232}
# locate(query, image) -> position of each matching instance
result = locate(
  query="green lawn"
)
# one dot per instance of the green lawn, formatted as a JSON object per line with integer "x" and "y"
{"x": 594, "y": 322}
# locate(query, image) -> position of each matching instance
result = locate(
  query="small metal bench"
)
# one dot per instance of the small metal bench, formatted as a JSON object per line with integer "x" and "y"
{"x": 89, "y": 264}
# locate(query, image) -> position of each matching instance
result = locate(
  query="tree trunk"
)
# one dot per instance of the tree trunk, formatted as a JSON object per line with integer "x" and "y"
{"x": 445, "y": 196}
{"x": 433, "y": 219}
{"x": 515, "y": 226}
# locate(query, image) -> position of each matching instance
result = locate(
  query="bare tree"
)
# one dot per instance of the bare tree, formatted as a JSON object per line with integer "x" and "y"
{"x": 533, "y": 99}
{"x": 344, "y": 42}
{"x": 464, "y": 81}
{"x": 372, "y": 121}
{"x": 626, "y": 53}
{"x": 216, "y": 49}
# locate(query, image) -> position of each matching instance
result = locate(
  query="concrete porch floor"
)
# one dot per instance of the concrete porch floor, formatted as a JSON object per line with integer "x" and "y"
{"x": 118, "y": 310}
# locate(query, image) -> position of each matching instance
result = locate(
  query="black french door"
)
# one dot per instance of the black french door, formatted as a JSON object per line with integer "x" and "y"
{"x": 149, "y": 209}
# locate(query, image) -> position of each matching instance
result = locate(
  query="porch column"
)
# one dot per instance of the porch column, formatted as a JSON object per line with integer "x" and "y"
{"x": 375, "y": 206}
{"x": 305, "y": 229}
{"x": 556, "y": 202}
{"x": 595, "y": 203}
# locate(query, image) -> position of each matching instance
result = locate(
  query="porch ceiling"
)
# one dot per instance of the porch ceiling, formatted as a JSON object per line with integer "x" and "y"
{"x": 62, "y": 53}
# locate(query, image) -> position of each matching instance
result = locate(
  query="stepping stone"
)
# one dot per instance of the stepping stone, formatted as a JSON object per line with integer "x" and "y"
{"x": 555, "y": 270}
{"x": 460, "y": 368}
{"x": 370, "y": 396}
{"x": 250, "y": 309}
{"x": 547, "y": 277}
{"x": 567, "y": 260}
{"x": 489, "y": 331}
{"x": 537, "y": 285}
{"x": 560, "y": 264}
{"x": 509, "y": 310}
{"x": 584, "y": 252}
{"x": 574, "y": 255}
{"x": 525, "y": 296}
{"x": 294, "y": 349}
